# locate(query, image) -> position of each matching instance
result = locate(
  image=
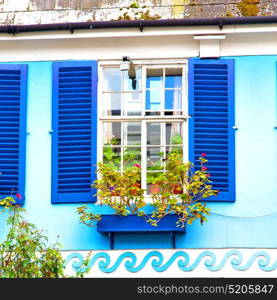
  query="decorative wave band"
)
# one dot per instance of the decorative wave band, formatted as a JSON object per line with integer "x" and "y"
{"x": 182, "y": 258}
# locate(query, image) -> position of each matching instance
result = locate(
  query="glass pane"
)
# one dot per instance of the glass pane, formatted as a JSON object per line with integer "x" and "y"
{"x": 173, "y": 133}
{"x": 173, "y": 78}
{"x": 112, "y": 104}
{"x": 173, "y": 100}
{"x": 154, "y": 158}
{"x": 153, "y": 100}
{"x": 132, "y": 157}
{"x": 153, "y": 133}
{"x": 112, "y": 156}
{"x": 133, "y": 104}
{"x": 128, "y": 84}
{"x": 154, "y": 79}
{"x": 112, "y": 133}
{"x": 133, "y": 133}
{"x": 112, "y": 79}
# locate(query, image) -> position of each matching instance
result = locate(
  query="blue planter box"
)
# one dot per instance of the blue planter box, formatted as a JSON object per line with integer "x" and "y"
{"x": 112, "y": 224}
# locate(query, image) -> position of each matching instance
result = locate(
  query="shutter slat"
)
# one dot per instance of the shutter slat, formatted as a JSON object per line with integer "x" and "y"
{"x": 211, "y": 107}
{"x": 74, "y": 131}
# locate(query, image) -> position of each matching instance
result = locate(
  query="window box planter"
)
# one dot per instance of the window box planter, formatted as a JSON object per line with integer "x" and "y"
{"x": 111, "y": 224}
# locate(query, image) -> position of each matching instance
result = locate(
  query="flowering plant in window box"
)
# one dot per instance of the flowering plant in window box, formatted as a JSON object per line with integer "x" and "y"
{"x": 181, "y": 192}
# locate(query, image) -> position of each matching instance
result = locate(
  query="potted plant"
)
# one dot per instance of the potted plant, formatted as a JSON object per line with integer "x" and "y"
{"x": 181, "y": 192}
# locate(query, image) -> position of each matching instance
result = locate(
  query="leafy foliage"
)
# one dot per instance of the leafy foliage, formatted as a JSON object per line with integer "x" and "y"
{"x": 120, "y": 191}
{"x": 25, "y": 252}
{"x": 181, "y": 188}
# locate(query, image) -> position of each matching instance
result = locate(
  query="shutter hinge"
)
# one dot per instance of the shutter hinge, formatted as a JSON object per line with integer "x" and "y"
{"x": 275, "y": 127}
{"x": 235, "y": 128}
{"x": 50, "y": 131}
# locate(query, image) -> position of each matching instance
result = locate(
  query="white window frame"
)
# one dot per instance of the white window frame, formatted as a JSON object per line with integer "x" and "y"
{"x": 144, "y": 119}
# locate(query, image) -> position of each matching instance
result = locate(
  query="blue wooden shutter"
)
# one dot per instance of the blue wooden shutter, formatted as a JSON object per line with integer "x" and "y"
{"x": 74, "y": 124}
{"x": 211, "y": 107}
{"x": 13, "y": 87}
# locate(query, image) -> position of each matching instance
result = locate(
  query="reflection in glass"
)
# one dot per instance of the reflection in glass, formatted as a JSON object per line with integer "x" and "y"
{"x": 112, "y": 79}
{"x": 173, "y": 100}
{"x": 153, "y": 133}
{"x": 112, "y": 156}
{"x": 153, "y": 100}
{"x": 133, "y": 133}
{"x": 154, "y": 79}
{"x": 173, "y": 78}
{"x": 154, "y": 158}
{"x": 112, "y": 133}
{"x": 112, "y": 104}
{"x": 132, "y": 157}
{"x": 173, "y": 133}
{"x": 133, "y": 103}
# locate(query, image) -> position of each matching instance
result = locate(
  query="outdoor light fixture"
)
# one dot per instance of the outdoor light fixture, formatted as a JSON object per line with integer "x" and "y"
{"x": 127, "y": 65}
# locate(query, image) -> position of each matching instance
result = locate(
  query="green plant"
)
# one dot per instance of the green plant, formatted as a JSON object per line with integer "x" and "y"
{"x": 119, "y": 190}
{"x": 180, "y": 191}
{"x": 131, "y": 155}
{"x": 176, "y": 187}
{"x": 25, "y": 252}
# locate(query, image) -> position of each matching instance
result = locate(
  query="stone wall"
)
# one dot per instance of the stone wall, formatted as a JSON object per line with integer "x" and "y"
{"x": 62, "y": 11}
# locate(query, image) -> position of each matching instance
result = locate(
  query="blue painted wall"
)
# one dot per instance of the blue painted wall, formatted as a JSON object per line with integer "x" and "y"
{"x": 256, "y": 172}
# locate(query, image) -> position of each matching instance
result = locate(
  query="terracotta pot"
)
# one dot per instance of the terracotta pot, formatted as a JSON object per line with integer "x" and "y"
{"x": 154, "y": 188}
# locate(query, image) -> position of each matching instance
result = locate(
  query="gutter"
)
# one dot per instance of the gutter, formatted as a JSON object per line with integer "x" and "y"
{"x": 15, "y": 29}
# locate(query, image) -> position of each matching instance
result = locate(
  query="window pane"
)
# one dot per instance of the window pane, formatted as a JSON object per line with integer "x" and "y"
{"x": 173, "y": 78}
{"x": 154, "y": 158}
{"x": 112, "y": 79}
{"x": 154, "y": 79}
{"x": 112, "y": 133}
{"x": 173, "y": 100}
{"x": 112, "y": 157}
{"x": 153, "y": 133}
{"x": 133, "y": 133}
{"x": 132, "y": 157}
{"x": 133, "y": 104}
{"x": 153, "y": 100}
{"x": 128, "y": 83}
{"x": 173, "y": 133}
{"x": 112, "y": 104}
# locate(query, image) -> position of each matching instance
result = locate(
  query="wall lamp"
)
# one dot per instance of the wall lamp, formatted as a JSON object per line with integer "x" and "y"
{"x": 127, "y": 65}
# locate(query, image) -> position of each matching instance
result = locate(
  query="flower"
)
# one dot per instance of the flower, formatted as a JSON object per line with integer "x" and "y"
{"x": 204, "y": 168}
{"x": 209, "y": 175}
{"x": 18, "y": 196}
{"x": 203, "y": 154}
{"x": 137, "y": 165}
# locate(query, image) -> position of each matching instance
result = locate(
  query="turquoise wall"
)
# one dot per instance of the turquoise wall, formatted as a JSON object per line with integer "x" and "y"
{"x": 256, "y": 175}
